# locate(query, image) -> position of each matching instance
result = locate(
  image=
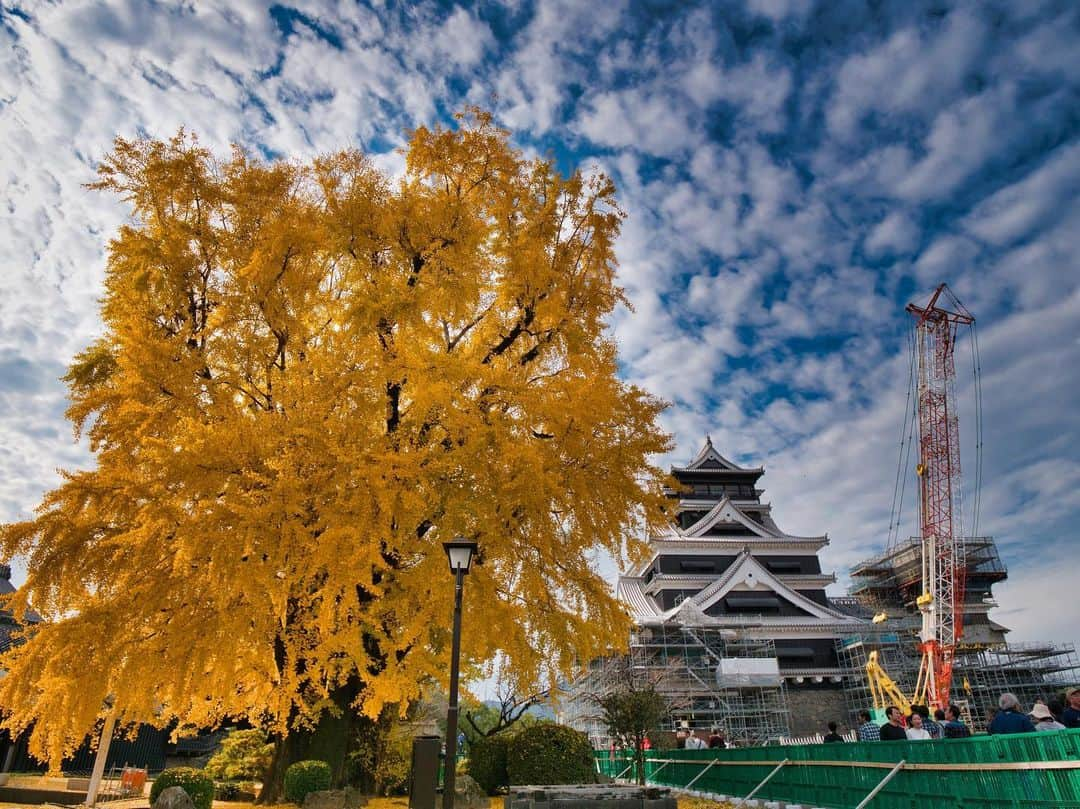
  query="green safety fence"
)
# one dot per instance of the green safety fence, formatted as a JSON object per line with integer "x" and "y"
{"x": 1018, "y": 770}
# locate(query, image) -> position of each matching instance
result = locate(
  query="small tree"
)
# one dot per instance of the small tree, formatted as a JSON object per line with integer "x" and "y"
{"x": 631, "y": 714}
{"x": 243, "y": 756}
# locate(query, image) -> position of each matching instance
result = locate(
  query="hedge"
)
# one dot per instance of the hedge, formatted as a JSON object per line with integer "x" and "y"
{"x": 487, "y": 762}
{"x": 547, "y": 753}
{"x": 198, "y": 785}
{"x": 304, "y": 777}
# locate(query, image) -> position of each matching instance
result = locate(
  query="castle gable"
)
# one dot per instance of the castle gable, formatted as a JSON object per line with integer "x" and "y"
{"x": 748, "y": 585}
{"x": 708, "y": 459}
{"x": 726, "y": 513}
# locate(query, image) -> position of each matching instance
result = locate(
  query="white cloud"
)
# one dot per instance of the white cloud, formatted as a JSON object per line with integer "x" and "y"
{"x": 781, "y": 167}
{"x": 913, "y": 70}
{"x": 1051, "y": 47}
{"x": 652, "y": 122}
{"x": 532, "y": 86}
{"x": 779, "y": 10}
{"x": 463, "y": 39}
{"x": 759, "y": 89}
{"x": 895, "y": 234}
{"x": 947, "y": 256}
{"x": 1030, "y": 204}
{"x": 960, "y": 141}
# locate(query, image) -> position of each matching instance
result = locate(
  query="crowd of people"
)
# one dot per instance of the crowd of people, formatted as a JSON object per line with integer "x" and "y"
{"x": 921, "y": 725}
{"x": 687, "y": 739}
{"x": 948, "y": 724}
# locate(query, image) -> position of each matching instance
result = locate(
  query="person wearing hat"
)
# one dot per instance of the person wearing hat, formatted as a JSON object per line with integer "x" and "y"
{"x": 1070, "y": 717}
{"x": 1043, "y": 719}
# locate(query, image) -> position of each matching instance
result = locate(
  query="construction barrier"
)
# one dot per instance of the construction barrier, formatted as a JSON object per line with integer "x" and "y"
{"x": 1014, "y": 771}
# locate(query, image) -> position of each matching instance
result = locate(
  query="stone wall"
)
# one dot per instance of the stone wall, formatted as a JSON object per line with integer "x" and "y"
{"x": 811, "y": 708}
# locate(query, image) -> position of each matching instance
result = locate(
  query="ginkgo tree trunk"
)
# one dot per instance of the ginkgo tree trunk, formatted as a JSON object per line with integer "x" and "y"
{"x": 310, "y": 375}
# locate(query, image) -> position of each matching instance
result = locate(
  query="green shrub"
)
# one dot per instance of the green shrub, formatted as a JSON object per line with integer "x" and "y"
{"x": 244, "y": 755}
{"x": 197, "y": 784}
{"x": 547, "y": 753}
{"x": 237, "y": 791}
{"x": 487, "y": 762}
{"x": 304, "y": 777}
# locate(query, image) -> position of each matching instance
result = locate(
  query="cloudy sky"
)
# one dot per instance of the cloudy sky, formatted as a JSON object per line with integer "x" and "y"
{"x": 794, "y": 173}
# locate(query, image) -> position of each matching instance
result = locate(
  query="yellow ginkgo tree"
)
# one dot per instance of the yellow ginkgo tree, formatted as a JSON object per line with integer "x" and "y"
{"x": 310, "y": 376}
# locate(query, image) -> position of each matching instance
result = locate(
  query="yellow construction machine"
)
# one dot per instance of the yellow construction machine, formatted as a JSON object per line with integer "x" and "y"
{"x": 885, "y": 691}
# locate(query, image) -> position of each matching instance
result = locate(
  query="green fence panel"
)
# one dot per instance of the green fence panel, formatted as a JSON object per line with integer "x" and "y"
{"x": 1014, "y": 771}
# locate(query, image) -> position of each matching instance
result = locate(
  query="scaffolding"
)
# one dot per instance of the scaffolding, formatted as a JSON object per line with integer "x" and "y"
{"x": 893, "y": 580}
{"x": 1031, "y": 671}
{"x": 711, "y": 677}
{"x": 898, "y": 654}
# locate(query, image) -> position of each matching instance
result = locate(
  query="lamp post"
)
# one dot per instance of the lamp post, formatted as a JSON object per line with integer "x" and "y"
{"x": 460, "y": 552}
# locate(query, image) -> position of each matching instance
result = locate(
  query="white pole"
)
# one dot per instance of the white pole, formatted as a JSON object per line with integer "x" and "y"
{"x": 99, "y": 760}
{"x": 881, "y": 784}
{"x": 779, "y": 767}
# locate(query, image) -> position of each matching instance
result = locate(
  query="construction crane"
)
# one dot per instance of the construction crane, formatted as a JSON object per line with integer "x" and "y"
{"x": 943, "y": 560}
{"x": 943, "y": 570}
{"x": 883, "y": 689}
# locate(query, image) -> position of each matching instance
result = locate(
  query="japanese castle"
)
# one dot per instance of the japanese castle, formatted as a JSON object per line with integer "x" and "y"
{"x": 731, "y": 616}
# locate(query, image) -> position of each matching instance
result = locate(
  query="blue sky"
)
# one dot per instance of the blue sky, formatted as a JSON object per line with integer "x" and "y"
{"x": 794, "y": 173}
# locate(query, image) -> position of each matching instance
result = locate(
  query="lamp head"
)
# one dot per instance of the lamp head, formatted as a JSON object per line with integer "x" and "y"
{"x": 460, "y": 553}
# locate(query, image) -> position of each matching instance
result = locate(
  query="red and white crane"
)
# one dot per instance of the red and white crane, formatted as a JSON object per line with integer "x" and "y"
{"x": 943, "y": 560}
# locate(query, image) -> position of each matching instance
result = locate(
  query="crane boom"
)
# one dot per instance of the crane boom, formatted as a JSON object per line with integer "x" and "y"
{"x": 883, "y": 689}
{"x": 943, "y": 557}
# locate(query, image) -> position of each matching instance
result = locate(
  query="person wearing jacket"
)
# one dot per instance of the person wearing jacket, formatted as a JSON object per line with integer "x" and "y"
{"x": 1009, "y": 719}
{"x": 953, "y": 727}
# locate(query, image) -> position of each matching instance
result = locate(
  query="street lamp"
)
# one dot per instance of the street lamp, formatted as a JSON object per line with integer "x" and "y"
{"x": 460, "y": 552}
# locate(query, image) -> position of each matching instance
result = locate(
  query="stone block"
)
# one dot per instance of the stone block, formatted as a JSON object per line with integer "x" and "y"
{"x": 174, "y": 798}
{"x": 467, "y": 794}
{"x": 334, "y": 799}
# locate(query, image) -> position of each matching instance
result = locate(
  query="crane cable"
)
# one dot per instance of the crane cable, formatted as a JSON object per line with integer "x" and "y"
{"x": 903, "y": 459}
{"x": 976, "y": 363}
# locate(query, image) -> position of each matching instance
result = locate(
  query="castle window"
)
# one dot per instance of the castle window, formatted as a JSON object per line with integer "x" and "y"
{"x": 801, "y": 652}
{"x": 748, "y": 602}
{"x": 784, "y": 567}
{"x": 697, "y": 566}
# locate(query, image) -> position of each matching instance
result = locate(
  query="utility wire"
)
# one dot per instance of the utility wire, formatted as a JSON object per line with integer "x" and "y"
{"x": 976, "y": 362}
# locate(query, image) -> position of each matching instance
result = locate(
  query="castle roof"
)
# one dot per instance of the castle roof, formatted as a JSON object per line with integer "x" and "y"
{"x": 761, "y": 535}
{"x": 745, "y": 574}
{"x": 708, "y": 459}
